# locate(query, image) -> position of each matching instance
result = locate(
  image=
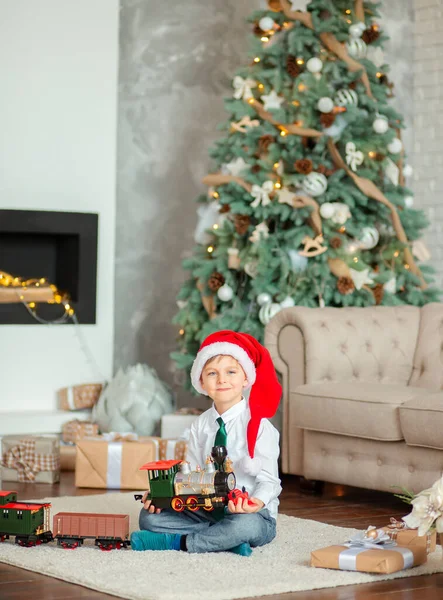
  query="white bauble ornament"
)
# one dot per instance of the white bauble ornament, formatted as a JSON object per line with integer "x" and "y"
{"x": 225, "y": 293}
{"x": 380, "y": 125}
{"x": 266, "y": 23}
{"x": 345, "y": 97}
{"x": 407, "y": 170}
{"x": 356, "y": 29}
{"x": 315, "y": 184}
{"x": 268, "y": 311}
{"x": 341, "y": 213}
{"x": 409, "y": 201}
{"x": 356, "y": 48}
{"x": 391, "y": 285}
{"x": 395, "y": 146}
{"x": 264, "y": 298}
{"x": 327, "y": 210}
{"x": 314, "y": 65}
{"x": 325, "y": 104}
{"x": 298, "y": 262}
{"x": 288, "y": 302}
{"x": 369, "y": 238}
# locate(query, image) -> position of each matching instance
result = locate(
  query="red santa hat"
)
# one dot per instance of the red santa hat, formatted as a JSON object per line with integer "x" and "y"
{"x": 262, "y": 379}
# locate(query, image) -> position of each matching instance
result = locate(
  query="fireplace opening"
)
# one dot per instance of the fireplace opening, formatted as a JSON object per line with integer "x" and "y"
{"x": 59, "y": 246}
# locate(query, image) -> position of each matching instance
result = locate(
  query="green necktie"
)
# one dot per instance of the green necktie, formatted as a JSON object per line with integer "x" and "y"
{"x": 221, "y": 435}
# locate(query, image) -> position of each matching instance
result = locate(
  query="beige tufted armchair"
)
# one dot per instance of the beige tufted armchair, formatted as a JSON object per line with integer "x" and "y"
{"x": 362, "y": 394}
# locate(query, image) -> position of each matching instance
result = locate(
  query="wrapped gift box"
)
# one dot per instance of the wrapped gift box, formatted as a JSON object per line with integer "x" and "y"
{"x": 174, "y": 425}
{"x": 368, "y": 560}
{"x": 30, "y": 458}
{"x": 75, "y": 430}
{"x": 77, "y": 397}
{"x": 113, "y": 461}
{"x": 398, "y": 532}
{"x": 67, "y": 457}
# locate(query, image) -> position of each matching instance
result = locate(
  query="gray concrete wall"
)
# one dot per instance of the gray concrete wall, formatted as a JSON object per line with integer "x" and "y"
{"x": 176, "y": 65}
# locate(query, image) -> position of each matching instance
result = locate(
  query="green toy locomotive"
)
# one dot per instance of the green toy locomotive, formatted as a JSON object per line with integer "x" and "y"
{"x": 172, "y": 484}
{"x": 27, "y": 521}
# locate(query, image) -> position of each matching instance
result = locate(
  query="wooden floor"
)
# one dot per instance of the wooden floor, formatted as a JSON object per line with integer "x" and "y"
{"x": 338, "y": 505}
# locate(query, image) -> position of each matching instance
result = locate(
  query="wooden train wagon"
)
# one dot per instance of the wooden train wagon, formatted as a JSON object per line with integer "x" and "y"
{"x": 109, "y": 531}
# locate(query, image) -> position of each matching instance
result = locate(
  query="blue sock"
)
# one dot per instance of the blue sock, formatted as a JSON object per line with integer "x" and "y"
{"x": 243, "y": 549}
{"x": 147, "y": 540}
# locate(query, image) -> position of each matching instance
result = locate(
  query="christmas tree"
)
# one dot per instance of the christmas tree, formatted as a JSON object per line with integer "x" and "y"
{"x": 308, "y": 203}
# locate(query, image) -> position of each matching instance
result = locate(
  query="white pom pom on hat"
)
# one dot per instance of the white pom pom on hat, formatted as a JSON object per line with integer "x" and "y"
{"x": 257, "y": 364}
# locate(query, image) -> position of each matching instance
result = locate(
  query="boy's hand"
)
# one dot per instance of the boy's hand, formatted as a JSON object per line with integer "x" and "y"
{"x": 244, "y": 505}
{"x": 147, "y": 505}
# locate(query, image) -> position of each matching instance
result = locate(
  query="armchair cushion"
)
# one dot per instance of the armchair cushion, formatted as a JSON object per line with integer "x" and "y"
{"x": 421, "y": 421}
{"x": 359, "y": 409}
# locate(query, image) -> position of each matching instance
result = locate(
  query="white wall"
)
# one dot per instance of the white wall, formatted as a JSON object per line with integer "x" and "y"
{"x": 58, "y": 69}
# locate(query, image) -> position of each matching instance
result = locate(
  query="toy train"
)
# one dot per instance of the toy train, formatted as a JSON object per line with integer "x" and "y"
{"x": 29, "y": 523}
{"x": 172, "y": 484}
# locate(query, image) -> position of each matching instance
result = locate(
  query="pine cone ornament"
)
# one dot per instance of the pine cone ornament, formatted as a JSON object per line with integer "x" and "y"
{"x": 303, "y": 166}
{"x": 345, "y": 285}
{"x": 257, "y": 30}
{"x": 292, "y": 67}
{"x": 264, "y": 142}
{"x": 335, "y": 242}
{"x": 325, "y": 171}
{"x": 216, "y": 281}
{"x": 325, "y": 15}
{"x": 352, "y": 85}
{"x": 241, "y": 224}
{"x": 370, "y": 35}
{"x": 255, "y": 168}
{"x": 378, "y": 292}
{"x": 327, "y": 119}
{"x": 224, "y": 208}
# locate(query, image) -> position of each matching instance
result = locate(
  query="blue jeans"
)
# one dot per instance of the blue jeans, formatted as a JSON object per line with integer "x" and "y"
{"x": 207, "y": 534}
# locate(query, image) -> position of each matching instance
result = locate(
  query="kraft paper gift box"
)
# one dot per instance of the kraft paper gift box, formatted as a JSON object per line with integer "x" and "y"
{"x": 30, "y": 458}
{"x": 170, "y": 449}
{"x": 367, "y": 560}
{"x": 75, "y": 430}
{"x": 112, "y": 461}
{"x": 174, "y": 425}
{"x": 398, "y": 532}
{"x": 77, "y": 397}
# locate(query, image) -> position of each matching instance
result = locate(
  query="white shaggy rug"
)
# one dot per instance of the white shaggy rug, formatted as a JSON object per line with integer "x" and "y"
{"x": 282, "y": 566}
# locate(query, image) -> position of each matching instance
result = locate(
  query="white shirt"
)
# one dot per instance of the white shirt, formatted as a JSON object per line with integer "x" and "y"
{"x": 266, "y": 485}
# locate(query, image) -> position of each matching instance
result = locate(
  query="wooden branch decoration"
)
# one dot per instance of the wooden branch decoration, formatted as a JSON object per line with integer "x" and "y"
{"x": 372, "y": 191}
{"x": 330, "y": 42}
{"x": 11, "y": 295}
{"x": 315, "y": 218}
{"x": 293, "y": 129}
{"x": 214, "y": 179}
{"x": 359, "y": 10}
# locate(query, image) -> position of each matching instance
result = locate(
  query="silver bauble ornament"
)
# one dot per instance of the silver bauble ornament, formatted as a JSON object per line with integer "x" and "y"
{"x": 409, "y": 201}
{"x": 314, "y": 65}
{"x": 369, "y": 238}
{"x": 327, "y": 210}
{"x": 264, "y": 298}
{"x": 356, "y": 29}
{"x": 225, "y": 293}
{"x": 315, "y": 184}
{"x": 288, "y": 302}
{"x": 266, "y": 23}
{"x": 298, "y": 262}
{"x": 345, "y": 97}
{"x": 357, "y": 48}
{"x": 268, "y": 311}
{"x": 380, "y": 125}
{"x": 396, "y": 146}
{"x": 325, "y": 104}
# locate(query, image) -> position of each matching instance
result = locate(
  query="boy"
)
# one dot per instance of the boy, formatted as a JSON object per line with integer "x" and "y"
{"x": 226, "y": 364}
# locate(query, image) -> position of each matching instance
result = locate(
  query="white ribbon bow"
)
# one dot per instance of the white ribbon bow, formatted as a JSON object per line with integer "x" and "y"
{"x": 243, "y": 87}
{"x": 354, "y": 157}
{"x": 261, "y": 194}
{"x": 363, "y": 540}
